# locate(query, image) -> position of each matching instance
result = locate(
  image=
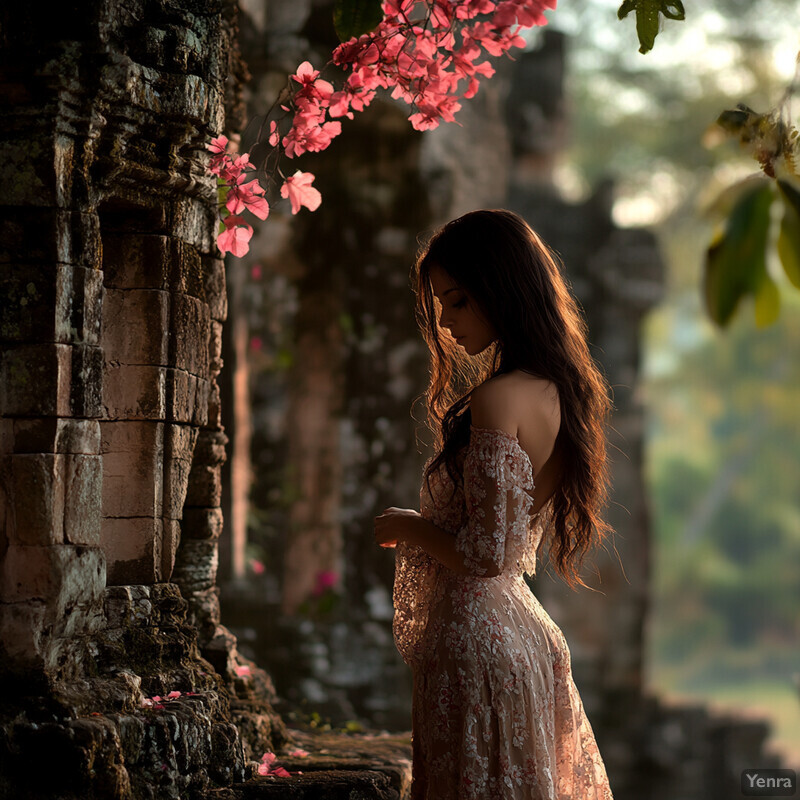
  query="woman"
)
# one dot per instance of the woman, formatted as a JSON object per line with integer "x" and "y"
{"x": 518, "y": 408}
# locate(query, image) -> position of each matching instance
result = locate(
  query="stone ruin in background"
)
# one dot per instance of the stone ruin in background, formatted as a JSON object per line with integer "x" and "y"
{"x": 112, "y": 300}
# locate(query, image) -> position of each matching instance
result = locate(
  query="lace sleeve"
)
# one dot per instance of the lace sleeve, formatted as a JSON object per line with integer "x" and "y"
{"x": 498, "y": 486}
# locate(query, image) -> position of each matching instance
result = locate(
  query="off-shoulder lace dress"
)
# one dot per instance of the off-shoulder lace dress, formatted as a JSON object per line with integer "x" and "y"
{"x": 496, "y": 713}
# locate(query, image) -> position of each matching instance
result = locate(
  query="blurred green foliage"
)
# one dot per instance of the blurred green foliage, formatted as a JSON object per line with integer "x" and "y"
{"x": 722, "y": 440}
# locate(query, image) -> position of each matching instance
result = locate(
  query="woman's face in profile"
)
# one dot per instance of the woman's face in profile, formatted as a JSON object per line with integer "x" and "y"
{"x": 460, "y": 315}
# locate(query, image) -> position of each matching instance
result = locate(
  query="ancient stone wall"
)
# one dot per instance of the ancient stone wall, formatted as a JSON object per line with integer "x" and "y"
{"x": 112, "y": 298}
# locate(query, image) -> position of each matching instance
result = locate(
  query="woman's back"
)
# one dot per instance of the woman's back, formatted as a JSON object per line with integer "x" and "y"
{"x": 528, "y": 408}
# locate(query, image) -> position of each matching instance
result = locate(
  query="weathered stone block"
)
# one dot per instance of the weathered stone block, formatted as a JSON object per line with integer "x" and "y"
{"x": 210, "y": 448}
{"x": 192, "y": 223}
{"x": 134, "y": 392}
{"x": 133, "y": 550}
{"x": 181, "y": 395}
{"x": 40, "y": 303}
{"x": 205, "y": 612}
{"x": 65, "y": 574}
{"x": 128, "y": 605}
{"x": 86, "y": 393}
{"x": 187, "y": 270}
{"x": 28, "y": 169}
{"x": 170, "y": 542}
{"x": 202, "y": 523}
{"x": 215, "y": 348}
{"x": 35, "y": 380}
{"x": 136, "y": 326}
{"x": 6, "y": 437}
{"x": 133, "y": 458}
{"x": 214, "y": 406}
{"x": 205, "y": 487}
{"x": 179, "y": 443}
{"x": 78, "y": 304}
{"x": 189, "y": 329}
{"x": 216, "y": 293}
{"x": 56, "y": 435}
{"x": 200, "y": 417}
{"x": 27, "y": 300}
{"x": 136, "y": 261}
{"x": 37, "y": 499}
{"x": 149, "y": 261}
{"x": 49, "y": 235}
{"x": 21, "y": 626}
{"x": 196, "y": 569}
{"x": 83, "y": 499}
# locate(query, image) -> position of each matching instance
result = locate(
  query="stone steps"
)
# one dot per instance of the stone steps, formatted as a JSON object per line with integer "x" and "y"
{"x": 338, "y": 767}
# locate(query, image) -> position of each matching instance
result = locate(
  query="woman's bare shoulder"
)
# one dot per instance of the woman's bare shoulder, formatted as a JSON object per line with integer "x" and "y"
{"x": 514, "y": 401}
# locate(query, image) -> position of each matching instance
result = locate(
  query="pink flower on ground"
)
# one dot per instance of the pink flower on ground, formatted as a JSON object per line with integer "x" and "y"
{"x": 266, "y": 768}
{"x": 243, "y": 671}
{"x": 236, "y": 236}
{"x": 300, "y": 192}
{"x": 298, "y": 753}
{"x": 173, "y": 695}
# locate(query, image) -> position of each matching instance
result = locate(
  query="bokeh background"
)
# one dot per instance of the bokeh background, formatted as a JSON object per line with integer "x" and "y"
{"x": 607, "y": 153}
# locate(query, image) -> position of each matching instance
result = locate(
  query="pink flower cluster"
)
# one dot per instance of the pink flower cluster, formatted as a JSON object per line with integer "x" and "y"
{"x": 243, "y": 192}
{"x": 425, "y": 61}
{"x": 431, "y": 63}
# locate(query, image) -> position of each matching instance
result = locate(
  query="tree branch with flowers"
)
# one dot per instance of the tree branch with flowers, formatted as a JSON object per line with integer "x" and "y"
{"x": 432, "y": 54}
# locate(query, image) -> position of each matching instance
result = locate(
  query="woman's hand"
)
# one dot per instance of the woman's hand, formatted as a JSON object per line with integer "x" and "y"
{"x": 395, "y": 525}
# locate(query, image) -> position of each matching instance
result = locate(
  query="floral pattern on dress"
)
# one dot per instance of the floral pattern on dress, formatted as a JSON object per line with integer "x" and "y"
{"x": 496, "y": 713}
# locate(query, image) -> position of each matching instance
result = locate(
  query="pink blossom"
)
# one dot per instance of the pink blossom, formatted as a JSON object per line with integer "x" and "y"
{"x": 257, "y": 567}
{"x": 243, "y": 671}
{"x": 298, "y": 753}
{"x": 311, "y": 86}
{"x": 266, "y": 768}
{"x": 236, "y": 236}
{"x": 233, "y": 168}
{"x": 325, "y": 580}
{"x": 310, "y": 132}
{"x": 274, "y": 136}
{"x": 248, "y": 196}
{"x": 218, "y": 148}
{"x": 255, "y": 274}
{"x": 300, "y": 192}
{"x": 173, "y": 695}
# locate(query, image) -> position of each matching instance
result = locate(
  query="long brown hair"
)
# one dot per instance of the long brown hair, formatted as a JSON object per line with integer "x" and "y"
{"x": 516, "y": 282}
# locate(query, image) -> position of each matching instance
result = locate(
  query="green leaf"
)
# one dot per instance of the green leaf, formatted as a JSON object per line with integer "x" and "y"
{"x": 789, "y": 237}
{"x": 767, "y": 301}
{"x": 356, "y": 17}
{"x": 222, "y": 191}
{"x": 736, "y": 260}
{"x": 647, "y": 19}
